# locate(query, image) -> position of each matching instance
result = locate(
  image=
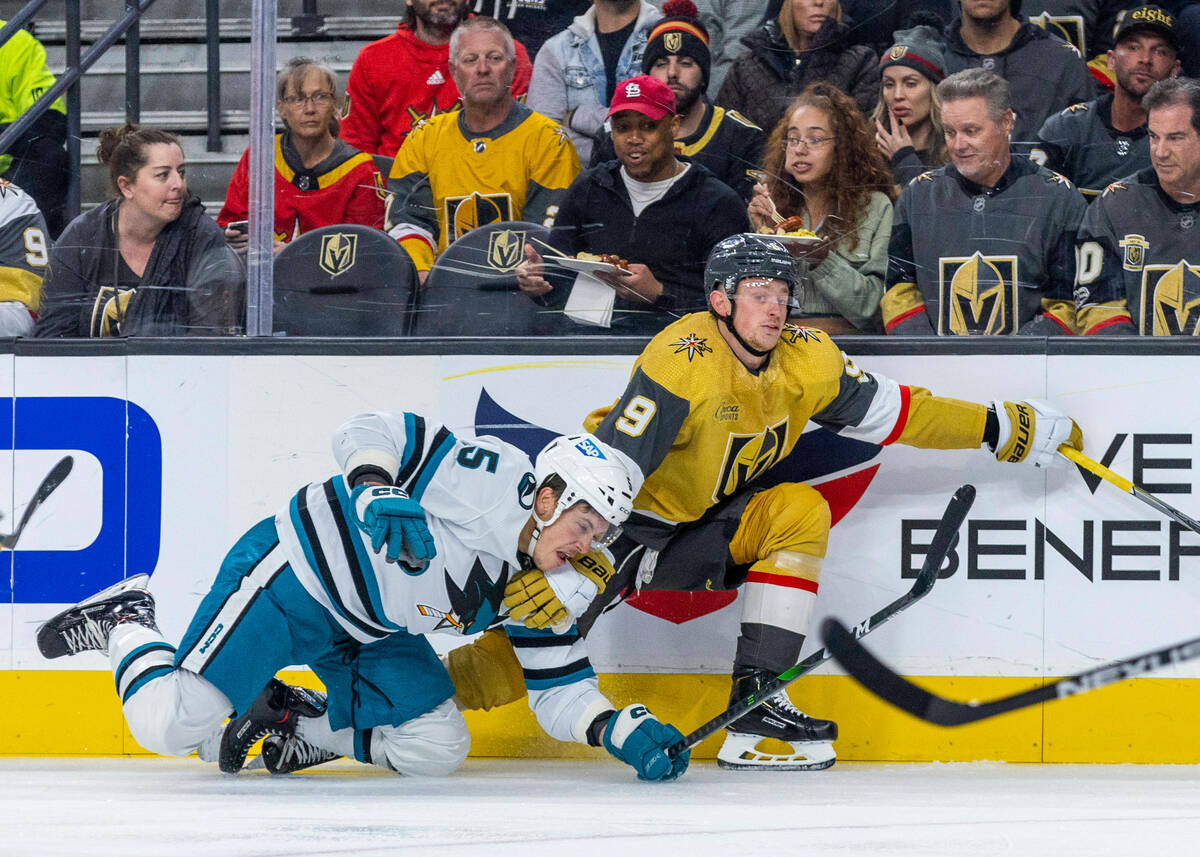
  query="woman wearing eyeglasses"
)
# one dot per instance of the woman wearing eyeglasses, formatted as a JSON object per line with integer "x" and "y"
{"x": 822, "y": 165}
{"x": 319, "y": 179}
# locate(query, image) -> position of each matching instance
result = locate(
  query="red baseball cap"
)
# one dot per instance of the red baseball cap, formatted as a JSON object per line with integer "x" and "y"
{"x": 645, "y": 94}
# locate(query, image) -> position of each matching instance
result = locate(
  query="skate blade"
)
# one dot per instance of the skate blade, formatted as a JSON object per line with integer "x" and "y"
{"x": 740, "y": 753}
{"x": 137, "y": 581}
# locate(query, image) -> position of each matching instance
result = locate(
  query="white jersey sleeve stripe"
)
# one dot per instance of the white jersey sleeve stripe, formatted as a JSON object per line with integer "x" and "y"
{"x": 885, "y": 415}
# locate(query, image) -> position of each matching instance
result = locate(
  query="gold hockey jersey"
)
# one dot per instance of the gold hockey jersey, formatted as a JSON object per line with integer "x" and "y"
{"x": 446, "y": 180}
{"x": 702, "y": 426}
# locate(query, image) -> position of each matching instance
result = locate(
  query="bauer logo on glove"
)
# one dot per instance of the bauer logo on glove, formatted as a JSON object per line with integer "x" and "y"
{"x": 1032, "y": 430}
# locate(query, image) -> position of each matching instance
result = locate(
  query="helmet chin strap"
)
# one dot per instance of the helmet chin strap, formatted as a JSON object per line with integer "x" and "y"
{"x": 538, "y": 526}
{"x": 727, "y": 320}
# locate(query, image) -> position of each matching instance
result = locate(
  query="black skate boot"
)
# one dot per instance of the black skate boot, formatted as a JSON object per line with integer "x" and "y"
{"x": 276, "y": 711}
{"x": 811, "y": 739}
{"x": 284, "y": 756}
{"x": 86, "y": 626}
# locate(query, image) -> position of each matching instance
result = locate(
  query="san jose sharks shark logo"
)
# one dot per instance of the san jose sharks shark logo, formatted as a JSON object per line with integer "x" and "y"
{"x": 474, "y": 607}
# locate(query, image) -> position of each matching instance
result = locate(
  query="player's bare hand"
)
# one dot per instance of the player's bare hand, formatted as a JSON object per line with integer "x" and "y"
{"x": 891, "y": 142}
{"x": 639, "y": 285}
{"x": 530, "y": 274}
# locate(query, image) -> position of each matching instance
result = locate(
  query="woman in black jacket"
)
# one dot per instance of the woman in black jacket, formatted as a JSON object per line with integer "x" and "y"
{"x": 804, "y": 43}
{"x": 147, "y": 262}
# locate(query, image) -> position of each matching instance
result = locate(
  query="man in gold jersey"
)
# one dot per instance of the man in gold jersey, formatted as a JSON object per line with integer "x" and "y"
{"x": 715, "y": 401}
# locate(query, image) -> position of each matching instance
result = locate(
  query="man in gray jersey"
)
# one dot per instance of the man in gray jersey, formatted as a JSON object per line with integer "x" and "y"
{"x": 984, "y": 245}
{"x": 1139, "y": 245}
{"x": 1097, "y": 142}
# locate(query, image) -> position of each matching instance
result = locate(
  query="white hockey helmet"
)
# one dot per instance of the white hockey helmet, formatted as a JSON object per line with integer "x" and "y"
{"x": 592, "y": 472}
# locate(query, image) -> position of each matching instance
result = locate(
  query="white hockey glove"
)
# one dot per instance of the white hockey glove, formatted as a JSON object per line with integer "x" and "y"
{"x": 1032, "y": 430}
{"x": 549, "y": 599}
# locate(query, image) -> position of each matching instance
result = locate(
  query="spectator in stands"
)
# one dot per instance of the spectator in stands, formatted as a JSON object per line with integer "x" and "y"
{"x": 319, "y": 179}
{"x": 1095, "y": 143}
{"x": 405, "y": 78}
{"x": 36, "y": 161}
{"x": 984, "y": 245}
{"x": 874, "y": 24}
{"x": 148, "y": 262}
{"x": 1139, "y": 245}
{"x": 1087, "y": 25}
{"x": 576, "y": 71}
{"x": 659, "y": 213}
{"x": 533, "y": 23}
{"x": 822, "y": 165}
{"x": 728, "y": 144}
{"x": 801, "y": 42}
{"x": 1188, "y": 25}
{"x": 24, "y": 253}
{"x": 494, "y": 160}
{"x": 1044, "y": 73}
{"x": 908, "y": 117}
{"x": 727, "y": 23}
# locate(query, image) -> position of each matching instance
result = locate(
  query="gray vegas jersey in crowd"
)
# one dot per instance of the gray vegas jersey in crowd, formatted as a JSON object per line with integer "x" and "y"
{"x": 1141, "y": 248}
{"x": 1081, "y": 143}
{"x": 1086, "y": 24}
{"x": 477, "y": 495}
{"x": 968, "y": 260}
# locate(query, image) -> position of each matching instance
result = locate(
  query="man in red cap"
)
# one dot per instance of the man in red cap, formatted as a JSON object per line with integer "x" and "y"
{"x": 660, "y": 213}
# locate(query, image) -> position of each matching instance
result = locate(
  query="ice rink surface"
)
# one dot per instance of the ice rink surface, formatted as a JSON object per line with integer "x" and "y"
{"x": 183, "y": 808}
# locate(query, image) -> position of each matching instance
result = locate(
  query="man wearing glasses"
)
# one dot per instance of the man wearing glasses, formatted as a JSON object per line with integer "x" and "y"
{"x": 319, "y": 179}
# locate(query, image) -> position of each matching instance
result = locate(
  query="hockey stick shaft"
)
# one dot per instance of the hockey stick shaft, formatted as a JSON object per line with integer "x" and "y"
{"x": 900, "y": 692}
{"x": 939, "y": 547}
{"x": 54, "y": 478}
{"x": 1095, "y": 467}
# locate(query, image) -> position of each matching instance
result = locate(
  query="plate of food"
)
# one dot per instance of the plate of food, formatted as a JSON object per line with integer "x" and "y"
{"x": 791, "y": 232}
{"x": 592, "y": 263}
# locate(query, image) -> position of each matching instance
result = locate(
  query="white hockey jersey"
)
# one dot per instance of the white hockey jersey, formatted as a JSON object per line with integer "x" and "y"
{"x": 477, "y": 495}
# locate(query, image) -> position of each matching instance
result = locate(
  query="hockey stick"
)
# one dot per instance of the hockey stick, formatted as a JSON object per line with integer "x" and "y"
{"x": 939, "y": 546}
{"x": 53, "y": 479}
{"x": 882, "y": 681}
{"x": 1128, "y": 487}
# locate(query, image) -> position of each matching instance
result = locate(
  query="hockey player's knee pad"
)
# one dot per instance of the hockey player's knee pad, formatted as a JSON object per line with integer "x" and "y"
{"x": 791, "y": 517}
{"x": 486, "y": 673}
{"x": 432, "y": 745}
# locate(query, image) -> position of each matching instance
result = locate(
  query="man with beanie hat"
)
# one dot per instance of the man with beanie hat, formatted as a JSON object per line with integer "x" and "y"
{"x": 1095, "y": 143}
{"x": 728, "y": 144}
{"x": 1046, "y": 74}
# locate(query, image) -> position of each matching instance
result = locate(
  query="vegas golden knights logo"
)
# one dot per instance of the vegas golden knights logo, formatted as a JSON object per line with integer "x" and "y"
{"x": 464, "y": 213}
{"x": 978, "y": 295}
{"x": 506, "y": 249}
{"x": 339, "y": 252}
{"x": 1069, "y": 28}
{"x": 1171, "y": 300}
{"x": 109, "y": 311}
{"x": 897, "y": 52}
{"x": 1134, "y": 247}
{"x": 747, "y": 456}
{"x": 673, "y": 42}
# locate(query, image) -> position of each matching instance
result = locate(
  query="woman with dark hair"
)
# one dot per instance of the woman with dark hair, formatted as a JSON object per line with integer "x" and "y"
{"x": 802, "y": 43}
{"x": 148, "y": 262}
{"x": 822, "y": 165}
{"x": 908, "y": 117}
{"x": 319, "y": 179}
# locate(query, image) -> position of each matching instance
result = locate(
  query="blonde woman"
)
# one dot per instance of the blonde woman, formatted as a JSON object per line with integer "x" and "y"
{"x": 908, "y": 118}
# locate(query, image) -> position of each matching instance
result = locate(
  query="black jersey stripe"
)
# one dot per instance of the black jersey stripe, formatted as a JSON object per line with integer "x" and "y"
{"x": 434, "y": 456}
{"x": 350, "y": 549}
{"x": 324, "y": 572}
{"x": 557, "y": 672}
{"x": 548, "y": 642}
{"x": 418, "y": 451}
{"x": 228, "y": 635}
{"x": 137, "y": 656}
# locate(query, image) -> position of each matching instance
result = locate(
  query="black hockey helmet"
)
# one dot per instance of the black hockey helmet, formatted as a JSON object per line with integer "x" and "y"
{"x": 737, "y": 257}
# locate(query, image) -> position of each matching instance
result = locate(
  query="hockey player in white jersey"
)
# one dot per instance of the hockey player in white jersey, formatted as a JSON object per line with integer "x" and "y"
{"x": 421, "y": 532}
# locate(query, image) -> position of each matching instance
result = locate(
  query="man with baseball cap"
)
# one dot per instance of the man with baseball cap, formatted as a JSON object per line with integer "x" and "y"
{"x": 1100, "y": 141}
{"x": 659, "y": 213}
{"x": 727, "y": 143}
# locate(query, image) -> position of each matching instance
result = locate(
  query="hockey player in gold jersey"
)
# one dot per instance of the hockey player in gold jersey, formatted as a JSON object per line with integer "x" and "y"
{"x": 714, "y": 402}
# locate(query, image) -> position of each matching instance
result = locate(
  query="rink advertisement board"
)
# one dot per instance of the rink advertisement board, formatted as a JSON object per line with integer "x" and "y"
{"x": 176, "y": 454}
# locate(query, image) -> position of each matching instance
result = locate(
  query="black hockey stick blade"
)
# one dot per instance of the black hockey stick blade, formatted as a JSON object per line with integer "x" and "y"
{"x": 53, "y": 479}
{"x": 941, "y": 544}
{"x": 888, "y": 685}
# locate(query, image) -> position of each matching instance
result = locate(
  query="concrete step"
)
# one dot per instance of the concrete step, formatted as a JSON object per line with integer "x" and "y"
{"x": 192, "y": 28}
{"x": 110, "y": 9}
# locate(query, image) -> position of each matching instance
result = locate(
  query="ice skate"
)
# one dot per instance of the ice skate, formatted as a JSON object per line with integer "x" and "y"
{"x": 285, "y": 756}
{"x": 810, "y": 739}
{"x": 276, "y": 711}
{"x": 87, "y": 626}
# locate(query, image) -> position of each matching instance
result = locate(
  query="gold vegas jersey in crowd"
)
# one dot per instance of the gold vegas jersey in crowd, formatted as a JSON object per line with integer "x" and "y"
{"x": 702, "y": 426}
{"x": 447, "y": 180}
{"x": 24, "y": 247}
